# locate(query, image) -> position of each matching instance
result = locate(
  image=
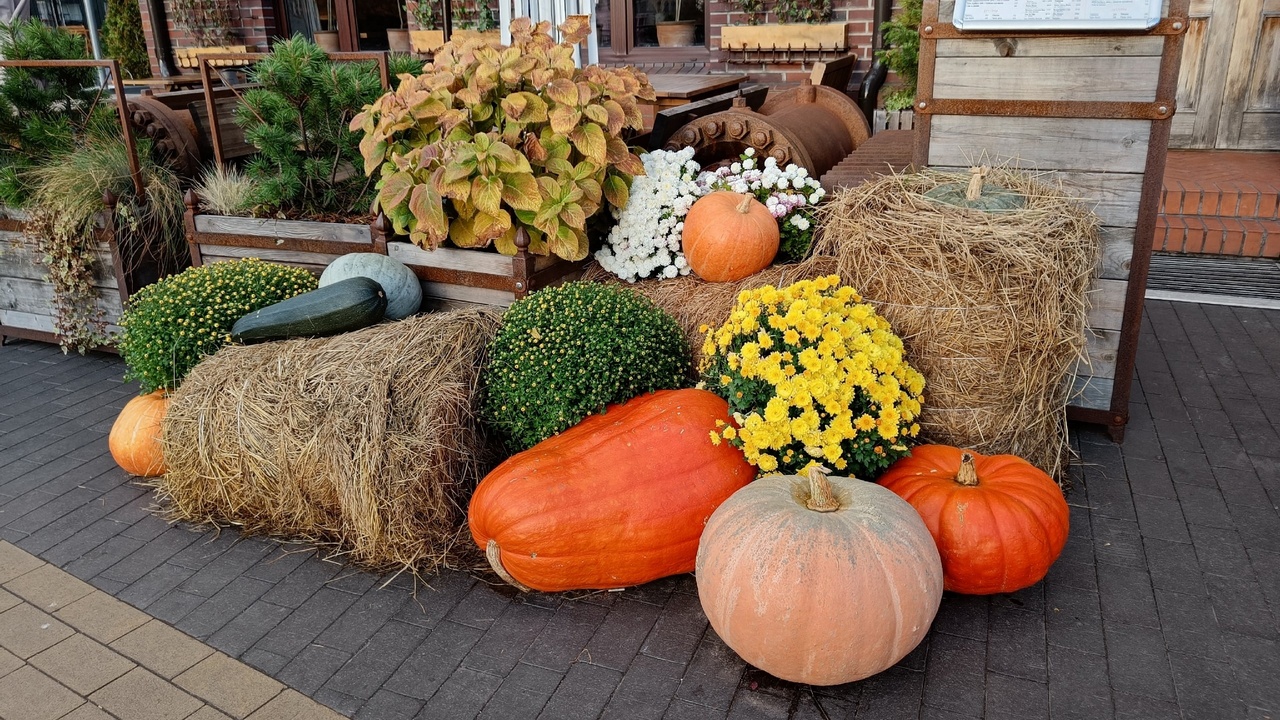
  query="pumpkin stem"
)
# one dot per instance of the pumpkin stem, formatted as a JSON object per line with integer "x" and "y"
{"x": 967, "y": 475}
{"x": 821, "y": 498}
{"x": 974, "y": 191}
{"x": 494, "y": 555}
{"x": 744, "y": 207}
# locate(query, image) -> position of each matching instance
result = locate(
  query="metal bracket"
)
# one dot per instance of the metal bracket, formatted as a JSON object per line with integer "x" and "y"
{"x": 948, "y": 31}
{"x": 1157, "y": 110}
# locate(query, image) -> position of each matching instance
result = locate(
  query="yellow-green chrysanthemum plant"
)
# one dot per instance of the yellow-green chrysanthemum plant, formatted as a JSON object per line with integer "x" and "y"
{"x": 491, "y": 139}
{"x": 813, "y": 374}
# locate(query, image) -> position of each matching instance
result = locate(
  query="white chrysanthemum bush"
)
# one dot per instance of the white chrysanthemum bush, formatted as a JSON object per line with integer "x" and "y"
{"x": 646, "y": 241}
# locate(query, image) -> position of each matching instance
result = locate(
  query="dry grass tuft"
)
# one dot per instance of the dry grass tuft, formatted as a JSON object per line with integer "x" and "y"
{"x": 368, "y": 441}
{"x": 991, "y": 306}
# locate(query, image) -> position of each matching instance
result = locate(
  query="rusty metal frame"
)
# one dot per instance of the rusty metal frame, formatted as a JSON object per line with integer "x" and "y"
{"x": 1159, "y": 112}
{"x": 122, "y": 110}
{"x": 242, "y": 59}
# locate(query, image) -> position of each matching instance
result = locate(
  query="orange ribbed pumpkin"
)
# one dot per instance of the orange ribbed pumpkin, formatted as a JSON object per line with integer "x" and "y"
{"x": 999, "y": 522}
{"x": 618, "y": 500}
{"x": 729, "y": 236}
{"x": 819, "y": 580}
{"x": 135, "y": 435}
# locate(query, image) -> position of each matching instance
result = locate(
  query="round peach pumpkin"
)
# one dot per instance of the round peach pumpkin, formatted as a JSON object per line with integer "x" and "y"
{"x": 999, "y": 521}
{"x": 729, "y": 236}
{"x": 619, "y": 499}
{"x": 819, "y": 580}
{"x": 135, "y": 436}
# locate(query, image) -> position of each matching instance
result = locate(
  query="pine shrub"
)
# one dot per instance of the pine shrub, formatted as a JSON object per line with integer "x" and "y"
{"x": 123, "y": 40}
{"x": 566, "y": 352}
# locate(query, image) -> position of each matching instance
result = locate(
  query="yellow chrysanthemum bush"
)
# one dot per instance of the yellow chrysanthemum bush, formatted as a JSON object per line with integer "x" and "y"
{"x": 813, "y": 374}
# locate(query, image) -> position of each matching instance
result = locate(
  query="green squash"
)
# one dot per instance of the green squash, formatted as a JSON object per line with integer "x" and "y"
{"x": 344, "y": 306}
{"x": 404, "y": 292}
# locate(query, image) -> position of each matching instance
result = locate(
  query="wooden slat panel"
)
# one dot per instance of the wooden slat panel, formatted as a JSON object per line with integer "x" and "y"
{"x": 1117, "y": 252}
{"x": 270, "y": 227}
{"x": 1055, "y": 47}
{"x": 35, "y": 296}
{"x": 23, "y": 261}
{"x": 1044, "y": 143}
{"x": 210, "y": 254}
{"x": 1259, "y": 130}
{"x": 1046, "y": 78}
{"x": 1112, "y": 196}
{"x": 42, "y": 323}
{"x": 481, "y": 296}
{"x": 1106, "y": 304}
{"x": 1092, "y": 392}
{"x": 451, "y": 259}
{"x": 1101, "y": 347}
{"x": 290, "y": 257}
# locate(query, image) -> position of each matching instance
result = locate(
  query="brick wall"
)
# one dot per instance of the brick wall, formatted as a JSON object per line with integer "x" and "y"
{"x": 256, "y": 26}
{"x": 858, "y": 14}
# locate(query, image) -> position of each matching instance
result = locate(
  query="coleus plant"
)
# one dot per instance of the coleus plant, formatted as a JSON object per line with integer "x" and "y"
{"x": 493, "y": 139}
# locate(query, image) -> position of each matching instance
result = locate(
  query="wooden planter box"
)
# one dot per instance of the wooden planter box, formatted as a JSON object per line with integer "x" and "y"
{"x": 454, "y": 277}
{"x": 27, "y": 298}
{"x": 785, "y": 36}
{"x": 300, "y": 243}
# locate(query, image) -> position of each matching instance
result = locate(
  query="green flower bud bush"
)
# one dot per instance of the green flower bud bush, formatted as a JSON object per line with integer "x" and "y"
{"x": 172, "y": 324}
{"x": 566, "y": 352}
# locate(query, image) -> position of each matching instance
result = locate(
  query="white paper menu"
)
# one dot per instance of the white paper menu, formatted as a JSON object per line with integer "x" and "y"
{"x": 1056, "y": 14}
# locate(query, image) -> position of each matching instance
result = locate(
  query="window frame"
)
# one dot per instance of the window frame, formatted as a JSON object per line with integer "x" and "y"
{"x": 622, "y": 15}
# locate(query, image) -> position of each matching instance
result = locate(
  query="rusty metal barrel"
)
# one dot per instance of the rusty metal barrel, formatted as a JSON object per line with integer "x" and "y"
{"x": 812, "y": 126}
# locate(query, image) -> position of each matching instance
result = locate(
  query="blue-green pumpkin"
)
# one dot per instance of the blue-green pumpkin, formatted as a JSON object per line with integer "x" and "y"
{"x": 404, "y": 292}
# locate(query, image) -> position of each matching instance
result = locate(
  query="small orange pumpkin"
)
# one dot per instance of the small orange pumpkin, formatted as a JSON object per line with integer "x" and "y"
{"x": 999, "y": 521}
{"x": 135, "y": 436}
{"x": 729, "y": 236}
{"x": 619, "y": 499}
{"x": 820, "y": 581}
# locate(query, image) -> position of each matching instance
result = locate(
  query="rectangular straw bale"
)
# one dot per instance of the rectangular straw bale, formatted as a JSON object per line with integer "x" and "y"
{"x": 369, "y": 441}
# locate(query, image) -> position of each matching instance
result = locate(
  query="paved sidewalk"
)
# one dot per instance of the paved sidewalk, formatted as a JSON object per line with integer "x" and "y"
{"x": 1165, "y": 603}
{"x": 72, "y": 652}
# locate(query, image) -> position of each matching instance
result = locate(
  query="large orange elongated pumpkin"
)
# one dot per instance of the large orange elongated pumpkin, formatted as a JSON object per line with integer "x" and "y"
{"x": 135, "y": 435}
{"x": 618, "y": 500}
{"x": 999, "y": 521}
{"x": 819, "y": 580}
{"x": 728, "y": 236}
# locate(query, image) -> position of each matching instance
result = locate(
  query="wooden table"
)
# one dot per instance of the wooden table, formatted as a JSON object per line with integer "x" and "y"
{"x": 676, "y": 90}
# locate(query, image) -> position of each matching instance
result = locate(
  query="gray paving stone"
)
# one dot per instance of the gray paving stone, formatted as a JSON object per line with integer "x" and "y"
{"x": 965, "y": 615}
{"x": 891, "y": 695}
{"x": 247, "y": 628}
{"x": 956, "y": 675}
{"x": 462, "y": 695}
{"x": 386, "y": 705}
{"x": 621, "y": 635}
{"x": 312, "y": 668}
{"x": 223, "y": 607}
{"x": 507, "y": 639}
{"x": 370, "y": 668}
{"x": 583, "y": 693}
{"x": 359, "y": 622}
{"x": 1016, "y": 644}
{"x": 435, "y": 659}
{"x": 1137, "y": 662}
{"x": 564, "y": 637}
{"x": 522, "y": 694}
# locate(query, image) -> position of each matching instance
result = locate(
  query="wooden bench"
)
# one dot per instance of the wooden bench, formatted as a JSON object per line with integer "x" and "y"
{"x": 668, "y": 121}
{"x": 834, "y": 73}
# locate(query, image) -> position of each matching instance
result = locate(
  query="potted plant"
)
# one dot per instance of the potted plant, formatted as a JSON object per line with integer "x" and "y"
{"x": 398, "y": 37}
{"x": 676, "y": 32}
{"x": 801, "y": 25}
{"x": 512, "y": 148}
{"x": 426, "y": 36}
{"x": 902, "y": 54}
{"x": 76, "y": 239}
{"x": 301, "y": 199}
{"x": 472, "y": 19}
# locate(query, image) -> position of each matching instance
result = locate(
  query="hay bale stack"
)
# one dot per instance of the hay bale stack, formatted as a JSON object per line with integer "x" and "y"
{"x": 369, "y": 440}
{"x": 991, "y": 306}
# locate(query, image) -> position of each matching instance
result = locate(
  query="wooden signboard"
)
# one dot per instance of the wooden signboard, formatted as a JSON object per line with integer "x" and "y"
{"x": 1095, "y": 107}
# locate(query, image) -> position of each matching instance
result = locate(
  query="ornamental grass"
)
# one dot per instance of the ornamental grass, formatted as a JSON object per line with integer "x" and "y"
{"x": 368, "y": 442}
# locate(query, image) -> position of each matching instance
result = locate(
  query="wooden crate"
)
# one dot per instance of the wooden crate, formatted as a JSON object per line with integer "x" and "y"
{"x": 26, "y": 297}
{"x": 301, "y": 243}
{"x": 454, "y": 277}
{"x": 1095, "y": 108}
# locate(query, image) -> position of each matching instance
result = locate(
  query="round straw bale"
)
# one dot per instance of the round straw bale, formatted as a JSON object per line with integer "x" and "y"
{"x": 368, "y": 441}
